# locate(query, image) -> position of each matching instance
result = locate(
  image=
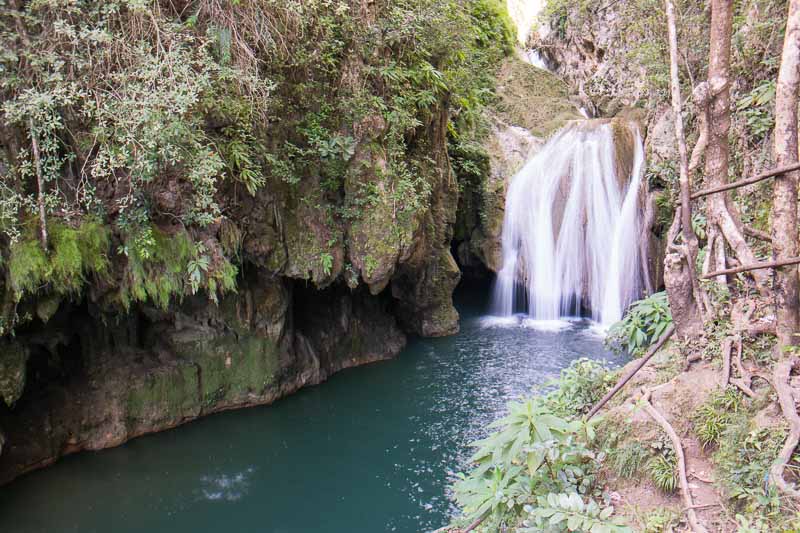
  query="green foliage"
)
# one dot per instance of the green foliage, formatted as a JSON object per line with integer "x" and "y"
{"x": 538, "y": 466}
{"x": 661, "y": 521}
{"x": 751, "y": 525}
{"x": 569, "y": 512}
{"x": 150, "y": 114}
{"x": 699, "y": 224}
{"x": 74, "y": 254}
{"x": 580, "y": 386}
{"x": 629, "y": 459}
{"x": 662, "y": 174}
{"x": 757, "y": 109}
{"x": 172, "y": 266}
{"x": 493, "y": 26}
{"x": 645, "y": 321}
{"x": 327, "y": 263}
{"x": 716, "y": 414}
{"x": 663, "y": 471}
{"x": 743, "y": 459}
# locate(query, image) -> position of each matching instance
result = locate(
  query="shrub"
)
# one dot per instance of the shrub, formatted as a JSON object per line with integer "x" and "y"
{"x": 580, "y": 386}
{"x": 645, "y": 321}
{"x": 539, "y": 466}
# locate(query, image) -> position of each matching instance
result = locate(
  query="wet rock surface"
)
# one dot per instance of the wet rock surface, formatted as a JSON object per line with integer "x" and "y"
{"x": 106, "y": 384}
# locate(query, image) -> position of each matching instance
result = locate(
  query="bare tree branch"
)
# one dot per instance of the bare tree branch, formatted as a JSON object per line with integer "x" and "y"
{"x": 756, "y": 266}
{"x": 748, "y": 181}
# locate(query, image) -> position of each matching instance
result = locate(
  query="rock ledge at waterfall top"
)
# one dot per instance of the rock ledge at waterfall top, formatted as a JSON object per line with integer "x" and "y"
{"x": 531, "y": 105}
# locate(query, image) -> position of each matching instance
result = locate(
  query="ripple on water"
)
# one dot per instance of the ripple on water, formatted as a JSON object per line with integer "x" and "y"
{"x": 374, "y": 449}
{"x": 226, "y": 487}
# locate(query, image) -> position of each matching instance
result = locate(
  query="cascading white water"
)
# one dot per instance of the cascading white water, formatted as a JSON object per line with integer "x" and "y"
{"x": 571, "y": 228}
{"x": 525, "y": 14}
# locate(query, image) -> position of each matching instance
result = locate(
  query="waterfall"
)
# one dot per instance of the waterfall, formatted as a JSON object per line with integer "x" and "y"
{"x": 571, "y": 229}
{"x": 525, "y": 14}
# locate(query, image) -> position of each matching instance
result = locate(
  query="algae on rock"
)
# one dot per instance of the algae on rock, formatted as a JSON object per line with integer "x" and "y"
{"x": 12, "y": 370}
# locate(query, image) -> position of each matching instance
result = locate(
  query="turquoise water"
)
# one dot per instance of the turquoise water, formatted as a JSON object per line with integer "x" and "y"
{"x": 371, "y": 450}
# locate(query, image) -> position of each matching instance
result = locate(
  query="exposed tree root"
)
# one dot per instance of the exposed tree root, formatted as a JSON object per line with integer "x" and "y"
{"x": 757, "y": 234}
{"x": 744, "y": 383}
{"x": 475, "y": 523}
{"x": 623, "y": 380}
{"x": 743, "y": 323}
{"x": 727, "y": 348}
{"x": 695, "y": 524}
{"x": 691, "y": 358}
{"x": 781, "y": 376}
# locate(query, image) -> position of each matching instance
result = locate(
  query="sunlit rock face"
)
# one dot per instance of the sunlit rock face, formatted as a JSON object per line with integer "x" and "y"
{"x": 525, "y": 14}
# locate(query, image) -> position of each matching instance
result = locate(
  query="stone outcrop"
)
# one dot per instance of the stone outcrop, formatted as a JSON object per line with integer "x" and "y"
{"x": 12, "y": 370}
{"x": 103, "y": 384}
{"x": 590, "y": 51}
{"x": 532, "y": 104}
{"x": 316, "y": 294}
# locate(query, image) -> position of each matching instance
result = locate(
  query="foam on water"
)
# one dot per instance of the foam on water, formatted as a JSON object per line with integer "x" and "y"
{"x": 571, "y": 229}
{"x": 547, "y": 325}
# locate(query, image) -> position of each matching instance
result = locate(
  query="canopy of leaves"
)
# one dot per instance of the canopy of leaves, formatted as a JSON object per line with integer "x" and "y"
{"x": 155, "y": 117}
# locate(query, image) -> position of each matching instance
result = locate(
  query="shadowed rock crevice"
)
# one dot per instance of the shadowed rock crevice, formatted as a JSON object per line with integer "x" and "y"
{"x": 98, "y": 383}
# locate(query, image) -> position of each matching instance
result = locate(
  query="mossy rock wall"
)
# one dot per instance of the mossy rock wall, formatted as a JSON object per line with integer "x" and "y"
{"x": 159, "y": 369}
{"x": 12, "y": 370}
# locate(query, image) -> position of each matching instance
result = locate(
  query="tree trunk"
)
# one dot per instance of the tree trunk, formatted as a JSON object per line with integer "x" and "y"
{"x": 680, "y": 278}
{"x": 721, "y": 212}
{"x": 40, "y": 187}
{"x": 784, "y": 201}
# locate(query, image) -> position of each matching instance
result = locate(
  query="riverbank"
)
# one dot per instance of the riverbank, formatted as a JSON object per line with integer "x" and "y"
{"x": 372, "y": 449}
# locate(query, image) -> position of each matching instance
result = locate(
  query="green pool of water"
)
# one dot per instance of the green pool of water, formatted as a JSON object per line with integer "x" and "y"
{"x": 372, "y": 450}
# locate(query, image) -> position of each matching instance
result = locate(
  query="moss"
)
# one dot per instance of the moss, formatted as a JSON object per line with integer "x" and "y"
{"x": 533, "y": 98}
{"x": 166, "y": 394}
{"x": 73, "y": 254}
{"x": 232, "y": 367}
{"x": 28, "y": 266}
{"x": 230, "y": 238}
{"x": 66, "y": 261}
{"x": 94, "y": 240}
{"x": 163, "y": 275}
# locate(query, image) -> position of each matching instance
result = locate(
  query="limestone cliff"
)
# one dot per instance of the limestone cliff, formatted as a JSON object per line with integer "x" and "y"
{"x": 531, "y": 105}
{"x": 251, "y": 212}
{"x": 95, "y": 385}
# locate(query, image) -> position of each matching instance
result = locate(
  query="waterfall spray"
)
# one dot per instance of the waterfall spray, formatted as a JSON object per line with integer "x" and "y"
{"x": 571, "y": 229}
